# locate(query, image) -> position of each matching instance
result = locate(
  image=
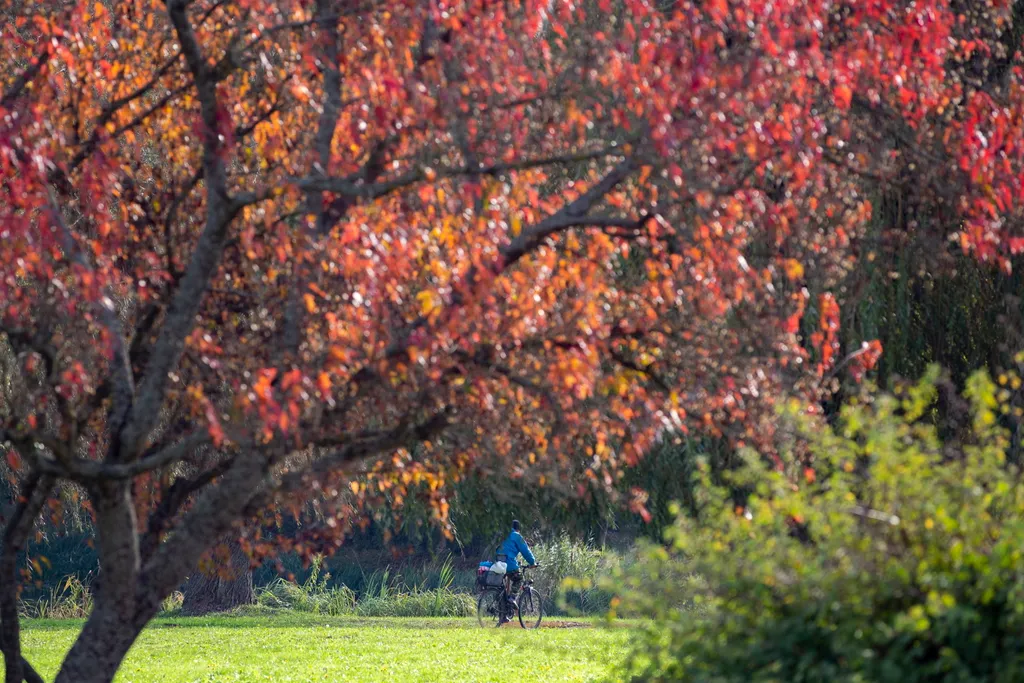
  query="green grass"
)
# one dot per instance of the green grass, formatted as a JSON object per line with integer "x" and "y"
{"x": 303, "y": 647}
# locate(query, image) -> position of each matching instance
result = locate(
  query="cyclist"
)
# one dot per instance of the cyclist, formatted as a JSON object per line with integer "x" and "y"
{"x": 509, "y": 552}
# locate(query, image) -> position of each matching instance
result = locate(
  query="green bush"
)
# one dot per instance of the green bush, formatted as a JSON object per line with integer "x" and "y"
{"x": 898, "y": 559}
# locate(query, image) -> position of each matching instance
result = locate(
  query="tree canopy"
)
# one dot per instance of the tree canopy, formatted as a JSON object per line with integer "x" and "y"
{"x": 253, "y": 247}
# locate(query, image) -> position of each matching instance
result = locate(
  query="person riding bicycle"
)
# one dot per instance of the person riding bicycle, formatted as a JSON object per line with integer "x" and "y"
{"x": 509, "y": 552}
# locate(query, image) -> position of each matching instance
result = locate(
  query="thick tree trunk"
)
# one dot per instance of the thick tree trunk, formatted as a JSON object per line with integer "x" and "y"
{"x": 111, "y": 629}
{"x": 115, "y": 621}
{"x": 223, "y": 588}
{"x": 99, "y": 649}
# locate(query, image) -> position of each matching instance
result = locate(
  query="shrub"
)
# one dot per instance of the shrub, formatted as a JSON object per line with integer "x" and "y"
{"x": 899, "y": 558}
{"x": 567, "y": 573}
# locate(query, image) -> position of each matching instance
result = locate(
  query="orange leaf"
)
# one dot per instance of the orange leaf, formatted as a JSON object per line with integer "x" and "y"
{"x": 843, "y": 96}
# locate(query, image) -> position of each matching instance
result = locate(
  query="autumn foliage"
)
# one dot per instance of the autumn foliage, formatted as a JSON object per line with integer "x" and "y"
{"x": 257, "y": 252}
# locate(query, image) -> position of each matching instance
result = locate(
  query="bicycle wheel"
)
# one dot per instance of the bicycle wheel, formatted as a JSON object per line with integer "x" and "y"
{"x": 488, "y": 608}
{"x": 529, "y": 608}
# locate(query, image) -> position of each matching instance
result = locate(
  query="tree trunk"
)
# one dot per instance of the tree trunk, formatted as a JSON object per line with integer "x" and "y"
{"x": 111, "y": 629}
{"x": 20, "y": 524}
{"x": 99, "y": 649}
{"x": 222, "y": 589}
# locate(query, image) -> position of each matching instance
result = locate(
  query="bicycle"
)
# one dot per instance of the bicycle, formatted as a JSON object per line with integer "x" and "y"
{"x": 492, "y": 606}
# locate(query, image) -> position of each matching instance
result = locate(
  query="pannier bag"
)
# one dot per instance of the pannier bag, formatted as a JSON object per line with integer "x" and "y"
{"x": 493, "y": 579}
{"x": 495, "y": 575}
{"x": 490, "y": 574}
{"x": 481, "y": 574}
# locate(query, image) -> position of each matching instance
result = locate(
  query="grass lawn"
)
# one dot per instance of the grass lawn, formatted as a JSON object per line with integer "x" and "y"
{"x": 294, "y": 647}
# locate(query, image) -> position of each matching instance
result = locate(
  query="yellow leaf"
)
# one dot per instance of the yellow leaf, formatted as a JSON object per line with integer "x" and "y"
{"x": 428, "y": 301}
{"x": 310, "y": 302}
{"x": 517, "y": 225}
{"x": 794, "y": 269}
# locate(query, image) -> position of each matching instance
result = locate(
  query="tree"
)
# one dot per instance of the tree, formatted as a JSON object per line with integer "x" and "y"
{"x": 265, "y": 252}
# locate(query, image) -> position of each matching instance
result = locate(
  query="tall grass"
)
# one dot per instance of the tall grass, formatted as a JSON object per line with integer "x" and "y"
{"x": 312, "y": 595}
{"x": 71, "y": 599}
{"x": 569, "y": 574}
{"x": 384, "y": 595}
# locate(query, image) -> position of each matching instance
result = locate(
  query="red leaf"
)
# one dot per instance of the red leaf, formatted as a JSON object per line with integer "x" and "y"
{"x": 843, "y": 96}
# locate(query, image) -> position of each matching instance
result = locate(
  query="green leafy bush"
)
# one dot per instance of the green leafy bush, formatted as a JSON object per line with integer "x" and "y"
{"x": 899, "y": 558}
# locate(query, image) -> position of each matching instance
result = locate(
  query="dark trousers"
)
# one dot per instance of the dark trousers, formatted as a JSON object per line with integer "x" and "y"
{"x": 516, "y": 578}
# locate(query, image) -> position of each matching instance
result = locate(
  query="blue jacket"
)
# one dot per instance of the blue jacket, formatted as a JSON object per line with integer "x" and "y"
{"x": 512, "y": 547}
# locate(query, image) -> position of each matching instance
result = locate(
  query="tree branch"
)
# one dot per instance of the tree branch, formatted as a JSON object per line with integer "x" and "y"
{"x": 22, "y": 341}
{"x": 483, "y": 360}
{"x": 572, "y": 215}
{"x": 220, "y": 210}
{"x": 172, "y": 502}
{"x": 355, "y": 188}
{"x": 357, "y": 448}
{"x": 630, "y": 364}
{"x": 91, "y": 471}
{"x": 123, "y": 380}
{"x": 19, "y": 84}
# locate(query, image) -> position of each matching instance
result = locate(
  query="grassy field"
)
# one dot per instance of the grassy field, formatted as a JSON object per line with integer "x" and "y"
{"x": 292, "y": 647}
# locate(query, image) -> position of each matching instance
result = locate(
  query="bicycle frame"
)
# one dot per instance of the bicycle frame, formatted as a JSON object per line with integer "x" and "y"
{"x": 507, "y": 583}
